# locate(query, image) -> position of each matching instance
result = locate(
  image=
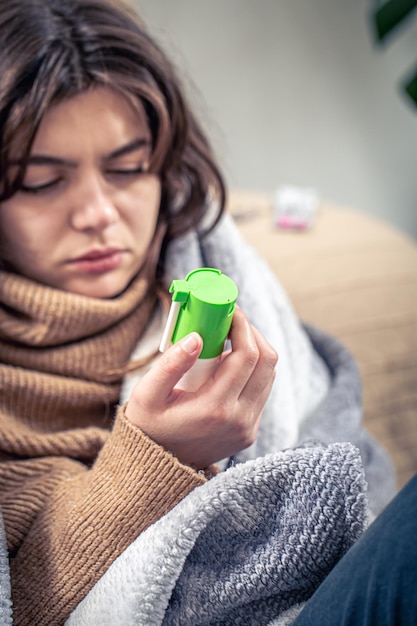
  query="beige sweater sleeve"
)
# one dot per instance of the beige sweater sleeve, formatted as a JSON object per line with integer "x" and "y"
{"x": 67, "y": 522}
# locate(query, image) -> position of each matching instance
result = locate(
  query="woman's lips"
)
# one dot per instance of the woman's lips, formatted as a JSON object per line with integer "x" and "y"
{"x": 98, "y": 261}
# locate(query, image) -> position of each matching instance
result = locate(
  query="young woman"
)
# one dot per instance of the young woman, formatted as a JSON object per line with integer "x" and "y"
{"x": 108, "y": 190}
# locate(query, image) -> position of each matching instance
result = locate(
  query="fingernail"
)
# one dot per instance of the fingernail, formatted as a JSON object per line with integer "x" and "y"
{"x": 191, "y": 343}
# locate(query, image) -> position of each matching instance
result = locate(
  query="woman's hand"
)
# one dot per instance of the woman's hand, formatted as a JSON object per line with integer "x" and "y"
{"x": 222, "y": 416}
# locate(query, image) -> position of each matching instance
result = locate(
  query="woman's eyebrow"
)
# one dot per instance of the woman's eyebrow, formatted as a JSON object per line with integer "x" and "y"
{"x": 45, "y": 159}
{"x": 132, "y": 146}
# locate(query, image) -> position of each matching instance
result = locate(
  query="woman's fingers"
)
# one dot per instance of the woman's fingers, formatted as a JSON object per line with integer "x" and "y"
{"x": 237, "y": 366}
{"x": 242, "y": 383}
{"x": 260, "y": 382}
{"x": 249, "y": 367}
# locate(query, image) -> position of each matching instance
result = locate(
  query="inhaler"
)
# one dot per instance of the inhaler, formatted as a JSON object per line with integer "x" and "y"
{"x": 203, "y": 302}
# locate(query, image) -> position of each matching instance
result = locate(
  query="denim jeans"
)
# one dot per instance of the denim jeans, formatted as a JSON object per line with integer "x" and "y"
{"x": 375, "y": 582}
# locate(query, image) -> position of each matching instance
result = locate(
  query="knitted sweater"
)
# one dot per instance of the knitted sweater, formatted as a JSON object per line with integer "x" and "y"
{"x": 74, "y": 492}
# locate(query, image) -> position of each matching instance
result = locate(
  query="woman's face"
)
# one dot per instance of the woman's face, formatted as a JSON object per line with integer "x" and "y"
{"x": 87, "y": 212}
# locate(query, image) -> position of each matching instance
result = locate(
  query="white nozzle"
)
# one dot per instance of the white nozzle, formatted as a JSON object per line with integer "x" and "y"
{"x": 166, "y": 339}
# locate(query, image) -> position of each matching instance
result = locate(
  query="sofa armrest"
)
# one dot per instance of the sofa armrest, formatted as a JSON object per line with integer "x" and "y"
{"x": 355, "y": 277}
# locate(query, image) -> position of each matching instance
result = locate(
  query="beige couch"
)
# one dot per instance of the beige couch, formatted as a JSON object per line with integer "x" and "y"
{"x": 355, "y": 277}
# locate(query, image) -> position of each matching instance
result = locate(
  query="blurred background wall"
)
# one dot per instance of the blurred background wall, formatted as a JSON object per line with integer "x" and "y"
{"x": 296, "y": 92}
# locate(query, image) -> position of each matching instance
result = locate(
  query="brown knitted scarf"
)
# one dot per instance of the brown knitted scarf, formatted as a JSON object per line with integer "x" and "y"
{"x": 71, "y": 504}
{"x": 62, "y": 359}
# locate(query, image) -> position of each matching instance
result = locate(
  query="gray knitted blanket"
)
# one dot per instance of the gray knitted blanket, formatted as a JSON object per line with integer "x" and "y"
{"x": 247, "y": 548}
{"x": 5, "y": 595}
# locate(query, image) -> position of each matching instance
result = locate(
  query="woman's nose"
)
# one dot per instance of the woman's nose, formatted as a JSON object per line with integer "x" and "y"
{"x": 94, "y": 208}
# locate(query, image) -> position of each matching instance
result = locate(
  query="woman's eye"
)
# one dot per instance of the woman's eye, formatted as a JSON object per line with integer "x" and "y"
{"x": 39, "y": 187}
{"x": 131, "y": 171}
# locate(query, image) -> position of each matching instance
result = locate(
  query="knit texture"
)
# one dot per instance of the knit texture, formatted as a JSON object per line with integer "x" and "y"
{"x": 5, "y": 592}
{"x": 248, "y": 547}
{"x": 65, "y": 477}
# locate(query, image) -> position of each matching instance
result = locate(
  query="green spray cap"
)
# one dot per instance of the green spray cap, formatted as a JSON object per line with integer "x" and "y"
{"x": 206, "y": 300}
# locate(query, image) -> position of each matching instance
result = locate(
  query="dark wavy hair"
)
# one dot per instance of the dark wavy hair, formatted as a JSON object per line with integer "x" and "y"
{"x": 52, "y": 50}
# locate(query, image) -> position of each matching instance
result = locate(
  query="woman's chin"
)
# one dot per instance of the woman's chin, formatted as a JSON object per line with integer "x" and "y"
{"x": 101, "y": 287}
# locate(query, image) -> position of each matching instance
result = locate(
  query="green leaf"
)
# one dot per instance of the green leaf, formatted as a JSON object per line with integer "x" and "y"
{"x": 411, "y": 88}
{"x": 391, "y": 14}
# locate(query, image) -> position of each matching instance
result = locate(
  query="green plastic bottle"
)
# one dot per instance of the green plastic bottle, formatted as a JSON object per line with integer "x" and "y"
{"x": 203, "y": 302}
